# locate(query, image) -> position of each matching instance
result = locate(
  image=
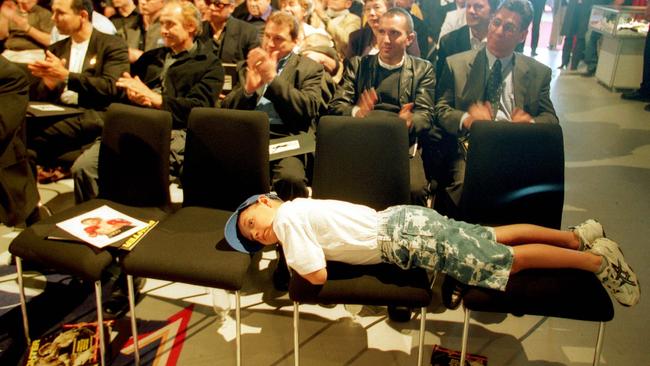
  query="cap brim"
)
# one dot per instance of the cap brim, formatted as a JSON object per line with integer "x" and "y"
{"x": 235, "y": 240}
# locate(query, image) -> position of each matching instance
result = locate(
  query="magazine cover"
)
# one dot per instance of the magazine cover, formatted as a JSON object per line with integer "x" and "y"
{"x": 102, "y": 226}
{"x": 74, "y": 345}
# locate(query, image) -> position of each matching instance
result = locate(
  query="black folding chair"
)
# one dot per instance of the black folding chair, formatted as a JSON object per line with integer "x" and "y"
{"x": 133, "y": 179}
{"x": 226, "y": 161}
{"x": 366, "y": 162}
{"x": 515, "y": 174}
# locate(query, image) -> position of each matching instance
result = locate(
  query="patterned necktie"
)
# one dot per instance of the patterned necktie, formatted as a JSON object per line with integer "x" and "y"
{"x": 493, "y": 88}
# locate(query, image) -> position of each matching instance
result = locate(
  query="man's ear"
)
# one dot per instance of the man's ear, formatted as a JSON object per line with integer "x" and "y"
{"x": 523, "y": 36}
{"x": 410, "y": 38}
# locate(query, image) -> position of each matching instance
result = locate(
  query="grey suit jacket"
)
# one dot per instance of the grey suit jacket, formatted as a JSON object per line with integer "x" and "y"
{"x": 463, "y": 83}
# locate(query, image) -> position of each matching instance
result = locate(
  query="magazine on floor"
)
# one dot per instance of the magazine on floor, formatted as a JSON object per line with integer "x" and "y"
{"x": 74, "y": 344}
{"x": 102, "y": 226}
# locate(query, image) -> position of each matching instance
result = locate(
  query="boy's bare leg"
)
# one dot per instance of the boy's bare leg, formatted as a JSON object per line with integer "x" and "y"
{"x": 529, "y": 256}
{"x": 518, "y": 234}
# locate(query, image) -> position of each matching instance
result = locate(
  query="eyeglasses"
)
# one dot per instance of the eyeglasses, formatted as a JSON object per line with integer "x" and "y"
{"x": 218, "y": 4}
{"x": 509, "y": 28}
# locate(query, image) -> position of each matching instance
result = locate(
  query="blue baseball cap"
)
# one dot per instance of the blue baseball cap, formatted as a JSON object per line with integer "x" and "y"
{"x": 234, "y": 238}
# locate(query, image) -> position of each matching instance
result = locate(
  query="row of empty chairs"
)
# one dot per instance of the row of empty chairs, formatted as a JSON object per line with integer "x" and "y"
{"x": 513, "y": 171}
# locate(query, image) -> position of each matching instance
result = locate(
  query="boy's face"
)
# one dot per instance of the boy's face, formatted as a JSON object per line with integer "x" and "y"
{"x": 256, "y": 222}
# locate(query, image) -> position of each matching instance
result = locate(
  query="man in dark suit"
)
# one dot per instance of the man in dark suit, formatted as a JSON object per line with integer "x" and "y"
{"x": 492, "y": 83}
{"x": 468, "y": 37}
{"x": 231, "y": 38}
{"x": 18, "y": 194}
{"x": 290, "y": 88}
{"x": 396, "y": 83}
{"x": 81, "y": 71}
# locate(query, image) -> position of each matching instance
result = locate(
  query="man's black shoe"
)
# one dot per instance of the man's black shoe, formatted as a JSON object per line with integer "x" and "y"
{"x": 116, "y": 306}
{"x": 636, "y": 95}
{"x": 400, "y": 314}
{"x": 118, "y": 303}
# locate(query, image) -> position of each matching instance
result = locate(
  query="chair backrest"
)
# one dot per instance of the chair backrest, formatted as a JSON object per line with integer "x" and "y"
{"x": 363, "y": 161}
{"x": 515, "y": 173}
{"x": 226, "y": 157}
{"x": 134, "y": 156}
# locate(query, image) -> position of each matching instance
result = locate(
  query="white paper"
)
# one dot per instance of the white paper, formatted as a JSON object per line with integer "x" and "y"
{"x": 284, "y": 146}
{"x": 47, "y": 107}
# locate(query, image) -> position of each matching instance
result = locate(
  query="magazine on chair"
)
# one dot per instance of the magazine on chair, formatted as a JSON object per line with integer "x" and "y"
{"x": 101, "y": 227}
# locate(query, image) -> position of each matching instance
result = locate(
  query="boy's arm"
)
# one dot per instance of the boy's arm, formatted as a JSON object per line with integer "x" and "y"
{"x": 317, "y": 277}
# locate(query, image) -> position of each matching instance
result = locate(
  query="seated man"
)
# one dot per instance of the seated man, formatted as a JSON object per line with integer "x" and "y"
{"x": 492, "y": 83}
{"x": 335, "y": 17}
{"x": 18, "y": 194}
{"x": 230, "y": 37}
{"x": 364, "y": 41}
{"x": 25, "y": 26}
{"x": 290, "y": 88}
{"x": 395, "y": 82}
{"x": 176, "y": 78}
{"x": 468, "y": 37}
{"x": 79, "y": 71}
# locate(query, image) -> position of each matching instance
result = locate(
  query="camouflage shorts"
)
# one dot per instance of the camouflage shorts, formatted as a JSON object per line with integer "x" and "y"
{"x": 414, "y": 236}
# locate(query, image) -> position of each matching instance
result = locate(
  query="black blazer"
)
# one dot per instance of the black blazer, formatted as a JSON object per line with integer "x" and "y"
{"x": 18, "y": 194}
{"x": 238, "y": 39}
{"x": 194, "y": 80}
{"x": 106, "y": 59}
{"x": 452, "y": 43}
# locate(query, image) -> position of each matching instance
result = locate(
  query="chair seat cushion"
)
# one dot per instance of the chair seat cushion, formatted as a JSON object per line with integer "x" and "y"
{"x": 189, "y": 247}
{"x": 81, "y": 260}
{"x": 379, "y": 284}
{"x": 564, "y": 293}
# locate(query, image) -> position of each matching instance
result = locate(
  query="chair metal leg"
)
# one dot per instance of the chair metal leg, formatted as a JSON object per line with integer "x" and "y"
{"x": 463, "y": 349}
{"x": 599, "y": 343}
{"x": 423, "y": 318}
{"x": 100, "y": 322}
{"x": 296, "y": 341}
{"x": 134, "y": 327}
{"x": 238, "y": 326}
{"x": 23, "y": 300}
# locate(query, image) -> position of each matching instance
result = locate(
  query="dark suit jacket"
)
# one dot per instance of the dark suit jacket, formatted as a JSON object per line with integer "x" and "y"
{"x": 452, "y": 43}
{"x": 106, "y": 59}
{"x": 299, "y": 94}
{"x": 455, "y": 93}
{"x": 239, "y": 37}
{"x": 194, "y": 80}
{"x": 18, "y": 194}
{"x": 417, "y": 85}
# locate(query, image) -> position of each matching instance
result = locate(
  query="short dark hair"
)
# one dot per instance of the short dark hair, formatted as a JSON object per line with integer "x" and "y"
{"x": 399, "y": 12}
{"x": 78, "y": 5}
{"x": 494, "y": 5}
{"x": 521, "y": 7}
{"x": 282, "y": 18}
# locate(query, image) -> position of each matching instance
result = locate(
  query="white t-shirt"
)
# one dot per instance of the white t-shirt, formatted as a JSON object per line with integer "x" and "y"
{"x": 313, "y": 231}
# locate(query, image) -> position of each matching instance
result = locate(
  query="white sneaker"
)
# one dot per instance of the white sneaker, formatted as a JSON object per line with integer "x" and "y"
{"x": 617, "y": 276}
{"x": 588, "y": 231}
